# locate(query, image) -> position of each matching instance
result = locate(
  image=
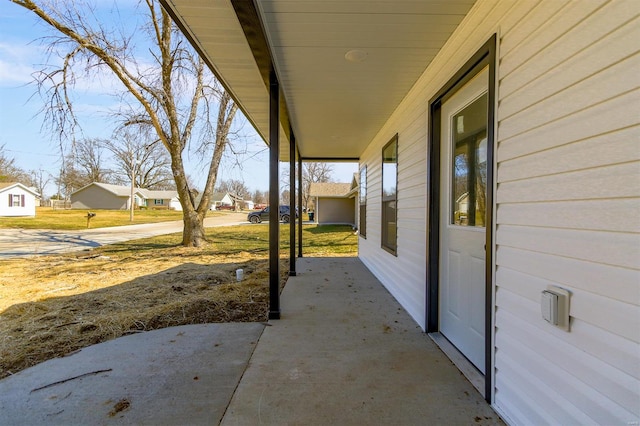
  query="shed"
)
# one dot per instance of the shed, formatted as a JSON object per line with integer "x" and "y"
{"x": 17, "y": 199}
{"x": 334, "y": 203}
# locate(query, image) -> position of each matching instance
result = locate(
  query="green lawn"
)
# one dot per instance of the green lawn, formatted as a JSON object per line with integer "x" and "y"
{"x": 47, "y": 218}
{"x": 325, "y": 240}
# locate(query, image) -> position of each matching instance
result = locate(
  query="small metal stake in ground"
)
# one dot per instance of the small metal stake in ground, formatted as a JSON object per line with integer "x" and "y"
{"x": 90, "y": 215}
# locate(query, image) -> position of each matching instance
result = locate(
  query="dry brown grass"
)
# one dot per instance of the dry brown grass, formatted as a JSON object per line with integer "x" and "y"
{"x": 79, "y": 301}
{"x": 51, "y": 306}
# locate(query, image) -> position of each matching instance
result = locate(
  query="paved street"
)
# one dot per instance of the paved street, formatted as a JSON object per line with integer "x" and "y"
{"x": 30, "y": 242}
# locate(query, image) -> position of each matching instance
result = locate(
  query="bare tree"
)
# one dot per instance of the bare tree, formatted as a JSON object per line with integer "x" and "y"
{"x": 260, "y": 197}
{"x": 174, "y": 94}
{"x": 70, "y": 178}
{"x": 39, "y": 179}
{"x": 9, "y": 171}
{"x": 235, "y": 187}
{"x": 314, "y": 173}
{"x": 84, "y": 164}
{"x": 150, "y": 160}
{"x": 88, "y": 157}
{"x": 285, "y": 197}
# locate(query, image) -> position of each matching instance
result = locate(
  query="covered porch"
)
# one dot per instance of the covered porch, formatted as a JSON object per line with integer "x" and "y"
{"x": 317, "y": 80}
{"x": 345, "y": 352}
{"x": 395, "y": 85}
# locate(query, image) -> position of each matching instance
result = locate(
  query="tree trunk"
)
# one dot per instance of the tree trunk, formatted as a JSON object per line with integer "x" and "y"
{"x": 193, "y": 234}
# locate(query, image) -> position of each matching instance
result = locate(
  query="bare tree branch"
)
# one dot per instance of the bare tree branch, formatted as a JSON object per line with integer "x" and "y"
{"x": 175, "y": 95}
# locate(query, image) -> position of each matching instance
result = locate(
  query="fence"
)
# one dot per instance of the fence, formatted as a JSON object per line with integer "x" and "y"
{"x": 60, "y": 204}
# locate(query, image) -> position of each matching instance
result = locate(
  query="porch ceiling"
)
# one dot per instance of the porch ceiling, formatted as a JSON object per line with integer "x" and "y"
{"x": 335, "y": 106}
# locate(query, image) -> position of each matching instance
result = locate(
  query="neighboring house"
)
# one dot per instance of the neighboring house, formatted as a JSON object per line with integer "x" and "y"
{"x": 17, "y": 199}
{"x": 106, "y": 196}
{"x": 226, "y": 201}
{"x": 530, "y": 107}
{"x": 159, "y": 199}
{"x": 221, "y": 199}
{"x": 334, "y": 203}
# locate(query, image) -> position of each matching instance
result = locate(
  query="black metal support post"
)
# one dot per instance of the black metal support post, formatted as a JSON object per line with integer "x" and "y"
{"x": 274, "y": 197}
{"x": 300, "y": 205}
{"x": 292, "y": 205}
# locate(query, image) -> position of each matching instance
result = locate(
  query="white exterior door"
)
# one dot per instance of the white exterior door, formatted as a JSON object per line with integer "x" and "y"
{"x": 463, "y": 195}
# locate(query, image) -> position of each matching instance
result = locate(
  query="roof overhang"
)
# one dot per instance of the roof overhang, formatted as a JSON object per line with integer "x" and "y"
{"x": 343, "y": 66}
{"x": 4, "y": 187}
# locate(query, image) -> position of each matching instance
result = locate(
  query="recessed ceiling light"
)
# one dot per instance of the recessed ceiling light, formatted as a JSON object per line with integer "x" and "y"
{"x": 355, "y": 55}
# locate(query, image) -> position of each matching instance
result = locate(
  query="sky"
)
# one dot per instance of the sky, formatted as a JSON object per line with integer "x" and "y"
{"x": 33, "y": 147}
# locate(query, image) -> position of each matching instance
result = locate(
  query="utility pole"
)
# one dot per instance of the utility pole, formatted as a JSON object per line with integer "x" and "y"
{"x": 133, "y": 184}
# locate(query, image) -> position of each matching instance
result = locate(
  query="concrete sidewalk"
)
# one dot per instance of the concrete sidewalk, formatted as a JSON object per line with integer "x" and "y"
{"x": 33, "y": 242}
{"x": 344, "y": 353}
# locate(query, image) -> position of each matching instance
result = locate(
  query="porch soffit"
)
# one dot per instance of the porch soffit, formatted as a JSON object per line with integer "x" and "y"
{"x": 335, "y": 107}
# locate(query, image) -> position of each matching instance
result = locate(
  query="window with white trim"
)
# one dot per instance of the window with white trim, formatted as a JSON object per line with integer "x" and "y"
{"x": 16, "y": 200}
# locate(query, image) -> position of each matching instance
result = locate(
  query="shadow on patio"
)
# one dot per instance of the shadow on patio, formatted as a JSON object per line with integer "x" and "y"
{"x": 345, "y": 352}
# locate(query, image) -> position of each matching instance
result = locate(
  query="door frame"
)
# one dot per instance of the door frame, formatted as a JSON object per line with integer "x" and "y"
{"x": 485, "y": 56}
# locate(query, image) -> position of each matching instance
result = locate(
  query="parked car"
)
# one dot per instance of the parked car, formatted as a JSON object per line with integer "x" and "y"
{"x": 260, "y": 215}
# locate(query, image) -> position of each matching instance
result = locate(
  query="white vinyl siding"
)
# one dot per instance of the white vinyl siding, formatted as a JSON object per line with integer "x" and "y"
{"x": 568, "y": 186}
{"x": 567, "y": 202}
{"x": 17, "y": 201}
{"x": 174, "y": 204}
{"x": 403, "y": 275}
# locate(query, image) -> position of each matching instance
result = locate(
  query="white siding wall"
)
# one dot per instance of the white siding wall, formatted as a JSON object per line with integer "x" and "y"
{"x": 29, "y": 208}
{"x": 568, "y": 195}
{"x": 174, "y": 204}
{"x": 405, "y": 274}
{"x": 568, "y": 202}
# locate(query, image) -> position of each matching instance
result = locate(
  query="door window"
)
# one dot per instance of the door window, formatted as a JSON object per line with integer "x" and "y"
{"x": 469, "y": 168}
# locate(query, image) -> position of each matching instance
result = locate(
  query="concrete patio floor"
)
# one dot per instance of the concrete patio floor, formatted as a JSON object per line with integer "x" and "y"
{"x": 344, "y": 353}
{"x": 174, "y": 376}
